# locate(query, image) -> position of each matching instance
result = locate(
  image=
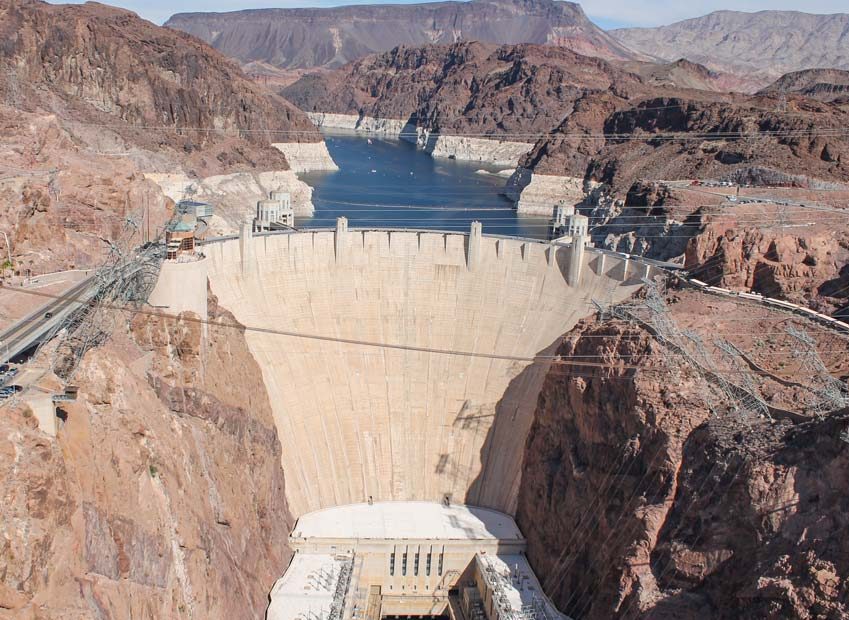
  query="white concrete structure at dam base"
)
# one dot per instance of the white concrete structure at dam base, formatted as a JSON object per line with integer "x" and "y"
{"x": 368, "y": 561}
{"x": 409, "y": 520}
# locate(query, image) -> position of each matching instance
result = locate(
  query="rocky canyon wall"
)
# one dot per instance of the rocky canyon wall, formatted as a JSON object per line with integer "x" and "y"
{"x": 161, "y": 495}
{"x": 234, "y": 195}
{"x": 505, "y": 153}
{"x": 645, "y": 496}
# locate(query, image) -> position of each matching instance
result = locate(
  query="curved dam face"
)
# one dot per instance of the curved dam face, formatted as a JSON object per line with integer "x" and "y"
{"x": 359, "y": 422}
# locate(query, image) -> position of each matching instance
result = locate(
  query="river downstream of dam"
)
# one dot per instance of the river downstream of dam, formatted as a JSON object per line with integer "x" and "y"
{"x": 385, "y": 182}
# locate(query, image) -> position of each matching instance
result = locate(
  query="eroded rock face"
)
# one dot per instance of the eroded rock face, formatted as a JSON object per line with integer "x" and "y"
{"x": 601, "y": 462}
{"x": 755, "y": 528}
{"x": 93, "y": 99}
{"x": 161, "y": 496}
{"x": 601, "y": 121}
{"x": 330, "y": 37}
{"x": 158, "y": 89}
{"x": 820, "y": 84}
{"x": 644, "y": 496}
{"x": 461, "y": 88}
{"x": 805, "y": 262}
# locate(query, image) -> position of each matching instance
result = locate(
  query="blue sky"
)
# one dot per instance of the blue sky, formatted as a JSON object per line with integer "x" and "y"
{"x": 606, "y": 13}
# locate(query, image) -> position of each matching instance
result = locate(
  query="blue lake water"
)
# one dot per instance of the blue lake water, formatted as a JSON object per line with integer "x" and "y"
{"x": 391, "y": 183}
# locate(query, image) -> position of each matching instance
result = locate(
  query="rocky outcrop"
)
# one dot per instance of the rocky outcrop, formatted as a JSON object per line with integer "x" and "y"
{"x": 161, "y": 490}
{"x": 306, "y": 156}
{"x": 330, "y": 37}
{"x": 802, "y": 147}
{"x": 94, "y": 100}
{"x": 156, "y": 88}
{"x": 585, "y": 120}
{"x": 683, "y": 73}
{"x": 655, "y": 220}
{"x": 645, "y": 495}
{"x": 820, "y": 84}
{"x": 589, "y": 539}
{"x": 803, "y": 257}
{"x": 465, "y": 88}
{"x": 463, "y": 101}
{"x": 63, "y": 203}
{"x": 761, "y": 45}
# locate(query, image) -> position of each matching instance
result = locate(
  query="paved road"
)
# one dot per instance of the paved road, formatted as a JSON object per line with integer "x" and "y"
{"x": 31, "y": 329}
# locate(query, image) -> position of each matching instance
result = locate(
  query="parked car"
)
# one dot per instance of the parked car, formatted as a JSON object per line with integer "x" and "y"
{"x": 10, "y": 390}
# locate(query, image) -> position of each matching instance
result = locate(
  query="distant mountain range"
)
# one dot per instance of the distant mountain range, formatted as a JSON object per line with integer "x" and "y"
{"x": 304, "y": 38}
{"x": 758, "y": 46}
{"x": 762, "y": 45}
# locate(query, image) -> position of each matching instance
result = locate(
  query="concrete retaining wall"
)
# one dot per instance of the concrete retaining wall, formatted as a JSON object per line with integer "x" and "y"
{"x": 358, "y": 421}
{"x": 181, "y": 287}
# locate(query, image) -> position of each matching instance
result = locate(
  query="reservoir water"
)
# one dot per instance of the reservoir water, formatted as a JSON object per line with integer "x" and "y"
{"x": 390, "y": 183}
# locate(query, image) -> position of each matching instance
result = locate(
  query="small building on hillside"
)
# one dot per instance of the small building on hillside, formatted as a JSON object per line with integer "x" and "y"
{"x": 189, "y": 224}
{"x": 180, "y": 237}
{"x": 200, "y": 210}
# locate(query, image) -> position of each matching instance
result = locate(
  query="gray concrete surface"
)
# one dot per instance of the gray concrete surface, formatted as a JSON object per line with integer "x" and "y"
{"x": 358, "y": 421}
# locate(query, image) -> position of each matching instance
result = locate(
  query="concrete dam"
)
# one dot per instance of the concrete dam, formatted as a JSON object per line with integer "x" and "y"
{"x": 438, "y": 417}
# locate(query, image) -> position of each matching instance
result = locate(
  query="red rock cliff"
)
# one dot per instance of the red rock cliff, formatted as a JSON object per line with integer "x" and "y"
{"x": 645, "y": 495}
{"x": 162, "y": 495}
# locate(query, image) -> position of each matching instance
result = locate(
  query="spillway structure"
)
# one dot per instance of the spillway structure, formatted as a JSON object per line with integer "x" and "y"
{"x": 403, "y": 369}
